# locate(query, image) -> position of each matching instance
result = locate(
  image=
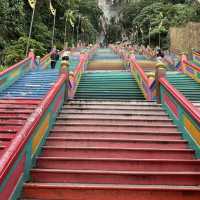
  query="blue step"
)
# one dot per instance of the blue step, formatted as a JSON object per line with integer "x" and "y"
{"x": 34, "y": 84}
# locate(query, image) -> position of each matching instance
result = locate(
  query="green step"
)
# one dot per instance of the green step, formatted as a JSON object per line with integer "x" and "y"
{"x": 109, "y": 85}
{"x": 186, "y": 85}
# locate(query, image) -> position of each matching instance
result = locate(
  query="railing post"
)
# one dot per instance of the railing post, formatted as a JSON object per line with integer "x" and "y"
{"x": 65, "y": 69}
{"x": 160, "y": 72}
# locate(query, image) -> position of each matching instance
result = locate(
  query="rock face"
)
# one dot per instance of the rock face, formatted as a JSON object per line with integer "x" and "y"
{"x": 110, "y": 11}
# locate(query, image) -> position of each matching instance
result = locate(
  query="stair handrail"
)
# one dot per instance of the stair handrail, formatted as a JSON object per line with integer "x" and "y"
{"x": 195, "y": 67}
{"x": 189, "y": 69}
{"x": 12, "y": 73}
{"x": 181, "y": 99}
{"x": 147, "y": 85}
{"x": 196, "y": 57}
{"x": 74, "y": 76}
{"x": 13, "y": 67}
{"x": 185, "y": 115}
{"x": 23, "y": 142}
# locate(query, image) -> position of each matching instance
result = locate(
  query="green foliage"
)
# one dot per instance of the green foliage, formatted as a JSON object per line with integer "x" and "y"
{"x": 15, "y": 21}
{"x": 16, "y": 50}
{"x": 156, "y": 17}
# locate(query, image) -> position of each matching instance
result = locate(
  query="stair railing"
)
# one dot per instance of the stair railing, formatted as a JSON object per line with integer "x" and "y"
{"x": 21, "y": 154}
{"x": 146, "y": 84}
{"x": 190, "y": 69}
{"x": 12, "y": 74}
{"x": 183, "y": 113}
{"x": 75, "y": 76}
{"x": 196, "y": 57}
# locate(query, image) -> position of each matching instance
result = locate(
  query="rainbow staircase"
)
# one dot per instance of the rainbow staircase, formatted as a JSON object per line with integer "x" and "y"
{"x": 104, "y": 146}
{"x": 186, "y": 85}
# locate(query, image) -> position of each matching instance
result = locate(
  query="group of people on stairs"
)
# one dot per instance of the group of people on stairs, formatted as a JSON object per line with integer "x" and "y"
{"x": 55, "y": 56}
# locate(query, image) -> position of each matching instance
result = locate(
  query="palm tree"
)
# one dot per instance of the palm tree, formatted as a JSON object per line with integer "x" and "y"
{"x": 70, "y": 19}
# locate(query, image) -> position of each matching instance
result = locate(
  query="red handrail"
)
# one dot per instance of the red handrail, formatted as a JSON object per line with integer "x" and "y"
{"x": 13, "y": 66}
{"x": 141, "y": 71}
{"x": 24, "y": 134}
{"x": 45, "y": 57}
{"x": 191, "y": 109}
{"x": 192, "y": 65}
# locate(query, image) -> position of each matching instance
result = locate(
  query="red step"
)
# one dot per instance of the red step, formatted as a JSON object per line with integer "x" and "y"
{"x": 9, "y": 129}
{"x": 6, "y": 136}
{"x": 115, "y": 122}
{"x": 20, "y": 101}
{"x": 122, "y": 135}
{"x": 12, "y": 121}
{"x": 77, "y": 191}
{"x": 114, "y": 151}
{"x": 116, "y": 143}
{"x": 110, "y": 107}
{"x": 118, "y": 164}
{"x": 17, "y": 106}
{"x": 22, "y": 116}
{"x": 11, "y": 111}
{"x": 115, "y": 129}
{"x": 115, "y": 112}
{"x": 131, "y": 153}
{"x": 13, "y": 115}
{"x": 115, "y": 177}
{"x": 111, "y": 116}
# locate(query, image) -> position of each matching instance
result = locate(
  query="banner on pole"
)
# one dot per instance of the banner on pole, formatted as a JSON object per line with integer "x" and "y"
{"x": 53, "y": 11}
{"x": 32, "y": 3}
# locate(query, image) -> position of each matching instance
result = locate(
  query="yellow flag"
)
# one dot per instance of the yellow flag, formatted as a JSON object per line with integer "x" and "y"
{"x": 32, "y": 3}
{"x": 53, "y": 11}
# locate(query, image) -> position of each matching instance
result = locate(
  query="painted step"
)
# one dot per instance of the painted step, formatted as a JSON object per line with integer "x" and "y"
{"x": 115, "y": 103}
{"x": 77, "y": 191}
{"x": 115, "y": 112}
{"x": 32, "y": 85}
{"x": 131, "y": 153}
{"x": 117, "y": 129}
{"x": 113, "y": 117}
{"x": 123, "y": 135}
{"x": 115, "y": 177}
{"x": 165, "y": 165}
{"x": 113, "y": 122}
{"x": 115, "y": 142}
{"x": 13, "y": 115}
{"x": 108, "y": 107}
